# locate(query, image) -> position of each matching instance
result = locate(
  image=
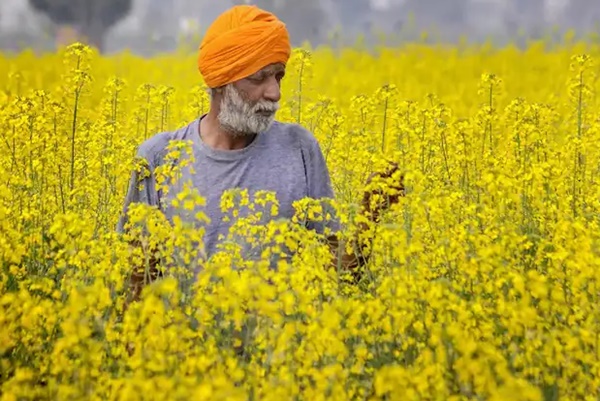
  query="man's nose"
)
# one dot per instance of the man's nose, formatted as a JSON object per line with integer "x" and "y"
{"x": 273, "y": 90}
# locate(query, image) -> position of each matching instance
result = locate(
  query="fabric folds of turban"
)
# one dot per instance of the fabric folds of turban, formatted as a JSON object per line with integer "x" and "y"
{"x": 240, "y": 42}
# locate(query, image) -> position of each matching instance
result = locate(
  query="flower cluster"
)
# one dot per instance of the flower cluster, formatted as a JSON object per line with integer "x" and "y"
{"x": 483, "y": 279}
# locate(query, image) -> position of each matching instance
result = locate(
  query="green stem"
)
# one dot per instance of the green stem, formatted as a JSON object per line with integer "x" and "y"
{"x": 384, "y": 125}
{"x": 300, "y": 92}
{"x": 60, "y": 176}
{"x": 147, "y": 113}
{"x": 579, "y": 134}
{"x": 73, "y": 132}
{"x": 490, "y": 126}
{"x": 445, "y": 152}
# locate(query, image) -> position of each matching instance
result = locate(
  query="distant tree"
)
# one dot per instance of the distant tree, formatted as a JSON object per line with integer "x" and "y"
{"x": 91, "y": 19}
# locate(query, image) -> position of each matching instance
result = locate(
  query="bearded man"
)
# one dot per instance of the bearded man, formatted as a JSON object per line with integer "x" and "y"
{"x": 238, "y": 143}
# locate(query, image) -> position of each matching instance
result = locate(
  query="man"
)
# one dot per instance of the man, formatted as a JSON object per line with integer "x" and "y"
{"x": 238, "y": 144}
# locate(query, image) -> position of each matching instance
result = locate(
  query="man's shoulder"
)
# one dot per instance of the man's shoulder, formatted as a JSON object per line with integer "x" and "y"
{"x": 292, "y": 134}
{"x": 156, "y": 147}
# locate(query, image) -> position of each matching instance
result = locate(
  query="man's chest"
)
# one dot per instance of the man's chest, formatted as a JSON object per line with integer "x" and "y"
{"x": 282, "y": 174}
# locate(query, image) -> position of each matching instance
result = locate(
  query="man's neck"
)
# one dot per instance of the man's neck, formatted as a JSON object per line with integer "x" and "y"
{"x": 214, "y": 136}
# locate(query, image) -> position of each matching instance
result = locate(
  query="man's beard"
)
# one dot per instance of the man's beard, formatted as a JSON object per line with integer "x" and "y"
{"x": 239, "y": 117}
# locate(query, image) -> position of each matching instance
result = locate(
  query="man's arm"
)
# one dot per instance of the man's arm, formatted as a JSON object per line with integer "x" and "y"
{"x": 141, "y": 274}
{"x": 374, "y": 203}
{"x": 141, "y": 190}
{"x": 319, "y": 187}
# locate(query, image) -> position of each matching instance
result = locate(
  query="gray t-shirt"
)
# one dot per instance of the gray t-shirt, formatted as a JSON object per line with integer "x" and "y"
{"x": 285, "y": 159}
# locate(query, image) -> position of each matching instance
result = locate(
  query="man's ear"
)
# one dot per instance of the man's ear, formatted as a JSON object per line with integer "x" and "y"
{"x": 219, "y": 90}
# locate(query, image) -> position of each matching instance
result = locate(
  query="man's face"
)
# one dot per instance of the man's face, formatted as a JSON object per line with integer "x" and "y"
{"x": 249, "y": 105}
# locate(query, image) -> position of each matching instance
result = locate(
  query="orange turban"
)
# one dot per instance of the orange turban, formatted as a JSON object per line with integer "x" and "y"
{"x": 240, "y": 42}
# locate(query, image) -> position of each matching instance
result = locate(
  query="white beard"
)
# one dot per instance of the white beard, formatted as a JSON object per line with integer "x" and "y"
{"x": 238, "y": 117}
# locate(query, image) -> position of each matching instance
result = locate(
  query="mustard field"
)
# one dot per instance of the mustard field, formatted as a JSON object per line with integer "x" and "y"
{"x": 483, "y": 281}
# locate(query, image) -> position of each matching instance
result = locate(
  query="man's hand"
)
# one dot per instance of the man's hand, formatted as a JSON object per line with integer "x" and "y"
{"x": 141, "y": 276}
{"x": 374, "y": 203}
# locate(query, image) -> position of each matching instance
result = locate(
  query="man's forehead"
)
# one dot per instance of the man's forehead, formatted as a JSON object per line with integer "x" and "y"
{"x": 271, "y": 69}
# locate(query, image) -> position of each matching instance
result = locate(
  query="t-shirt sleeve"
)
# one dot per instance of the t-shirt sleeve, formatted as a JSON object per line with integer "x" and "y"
{"x": 141, "y": 189}
{"x": 319, "y": 185}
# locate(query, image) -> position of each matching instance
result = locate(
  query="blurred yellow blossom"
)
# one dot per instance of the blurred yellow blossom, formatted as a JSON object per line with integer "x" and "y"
{"x": 483, "y": 281}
